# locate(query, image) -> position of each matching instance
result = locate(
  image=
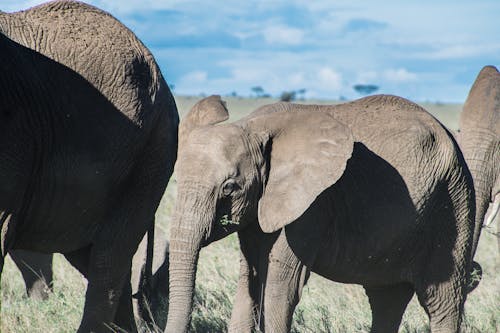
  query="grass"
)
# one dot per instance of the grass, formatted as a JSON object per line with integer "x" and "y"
{"x": 325, "y": 306}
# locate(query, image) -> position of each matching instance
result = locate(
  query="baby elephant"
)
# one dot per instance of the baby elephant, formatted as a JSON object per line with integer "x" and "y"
{"x": 373, "y": 192}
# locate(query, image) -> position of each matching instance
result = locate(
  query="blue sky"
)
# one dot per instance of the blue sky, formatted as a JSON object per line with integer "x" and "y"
{"x": 422, "y": 50}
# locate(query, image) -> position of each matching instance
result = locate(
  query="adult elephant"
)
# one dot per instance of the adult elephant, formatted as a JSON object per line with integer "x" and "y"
{"x": 479, "y": 139}
{"x": 88, "y": 137}
{"x": 373, "y": 192}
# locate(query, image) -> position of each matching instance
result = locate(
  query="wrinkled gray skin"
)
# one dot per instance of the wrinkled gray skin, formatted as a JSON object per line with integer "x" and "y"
{"x": 88, "y": 137}
{"x": 373, "y": 192}
{"x": 479, "y": 139}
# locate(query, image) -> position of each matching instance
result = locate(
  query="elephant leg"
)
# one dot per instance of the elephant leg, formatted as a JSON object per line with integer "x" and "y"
{"x": 441, "y": 285}
{"x": 286, "y": 277}
{"x": 106, "y": 282}
{"x": 123, "y": 317}
{"x": 36, "y": 269}
{"x": 388, "y": 304}
{"x": 247, "y": 312}
{"x": 243, "y": 317}
{"x": 443, "y": 304}
{"x": 80, "y": 259}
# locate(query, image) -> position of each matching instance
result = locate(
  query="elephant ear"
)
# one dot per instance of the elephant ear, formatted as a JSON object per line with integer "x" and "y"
{"x": 308, "y": 154}
{"x": 208, "y": 111}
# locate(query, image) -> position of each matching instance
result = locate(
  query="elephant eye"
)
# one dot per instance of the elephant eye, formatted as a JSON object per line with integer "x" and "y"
{"x": 229, "y": 187}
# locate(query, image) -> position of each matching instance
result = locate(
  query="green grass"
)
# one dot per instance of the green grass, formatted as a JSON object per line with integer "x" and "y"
{"x": 325, "y": 306}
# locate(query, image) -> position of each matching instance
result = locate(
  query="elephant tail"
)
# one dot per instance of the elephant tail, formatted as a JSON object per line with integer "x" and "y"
{"x": 476, "y": 275}
{"x": 145, "y": 289}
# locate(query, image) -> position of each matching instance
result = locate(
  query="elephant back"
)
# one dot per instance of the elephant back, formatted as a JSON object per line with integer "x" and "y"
{"x": 98, "y": 47}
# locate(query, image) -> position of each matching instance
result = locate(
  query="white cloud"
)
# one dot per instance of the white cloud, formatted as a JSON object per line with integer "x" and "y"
{"x": 283, "y": 35}
{"x": 330, "y": 78}
{"x": 252, "y": 74}
{"x": 461, "y": 51}
{"x": 195, "y": 77}
{"x": 366, "y": 77}
{"x": 399, "y": 75}
{"x": 296, "y": 79}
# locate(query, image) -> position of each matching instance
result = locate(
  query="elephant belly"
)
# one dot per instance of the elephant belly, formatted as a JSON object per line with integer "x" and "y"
{"x": 371, "y": 269}
{"x": 370, "y": 230}
{"x": 66, "y": 211}
{"x": 384, "y": 252}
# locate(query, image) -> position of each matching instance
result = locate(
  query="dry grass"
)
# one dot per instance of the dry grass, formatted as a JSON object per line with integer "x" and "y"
{"x": 325, "y": 306}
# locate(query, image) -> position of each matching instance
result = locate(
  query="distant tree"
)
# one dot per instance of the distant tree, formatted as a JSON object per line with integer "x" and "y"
{"x": 365, "y": 89}
{"x": 233, "y": 94}
{"x": 258, "y": 91}
{"x": 301, "y": 93}
{"x": 288, "y": 96}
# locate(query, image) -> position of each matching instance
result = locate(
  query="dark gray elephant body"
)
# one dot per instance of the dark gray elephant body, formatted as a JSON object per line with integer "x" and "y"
{"x": 479, "y": 139}
{"x": 88, "y": 138}
{"x": 373, "y": 192}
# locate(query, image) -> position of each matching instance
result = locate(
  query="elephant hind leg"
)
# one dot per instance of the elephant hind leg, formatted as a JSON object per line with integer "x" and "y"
{"x": 444, "y": 277}
{"x": 388, "y": 304}
{"x": 36, "y": 269}
{"x": 443, "y": 304}
{"x": 123, "y": 320}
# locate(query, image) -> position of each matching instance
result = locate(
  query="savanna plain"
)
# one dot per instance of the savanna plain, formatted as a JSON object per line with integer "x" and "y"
{"x": 325, "y": 306}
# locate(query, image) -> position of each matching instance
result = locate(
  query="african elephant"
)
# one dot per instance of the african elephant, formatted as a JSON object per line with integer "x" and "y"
{"x": 479, "y": 139}
{"x": 88, "y": 140}
{"x": 373, "y": 192}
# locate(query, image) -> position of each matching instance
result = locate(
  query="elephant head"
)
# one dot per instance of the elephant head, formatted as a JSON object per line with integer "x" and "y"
{"x": 265, "y": 169}
{"x": 479, "y": 139}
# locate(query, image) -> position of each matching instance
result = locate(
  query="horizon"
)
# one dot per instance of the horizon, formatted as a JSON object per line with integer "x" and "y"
{"x": 426, "y": 51}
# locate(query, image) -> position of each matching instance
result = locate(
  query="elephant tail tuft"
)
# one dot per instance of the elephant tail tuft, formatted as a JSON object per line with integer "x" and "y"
{"x": 476, "y": 275}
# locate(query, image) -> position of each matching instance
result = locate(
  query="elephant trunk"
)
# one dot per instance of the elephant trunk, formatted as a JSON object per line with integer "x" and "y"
{"x": 477, "y": 151}
{"x": 189, "y": 228}
{"x": 183, "y": 262}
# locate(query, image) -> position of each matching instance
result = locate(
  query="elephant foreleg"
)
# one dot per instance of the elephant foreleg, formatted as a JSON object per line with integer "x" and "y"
{"x": 286, "y": 277}
{"x": 388, "y": 304}
{"x": 243, "y": 316}
{"x": 247, "y": 311}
